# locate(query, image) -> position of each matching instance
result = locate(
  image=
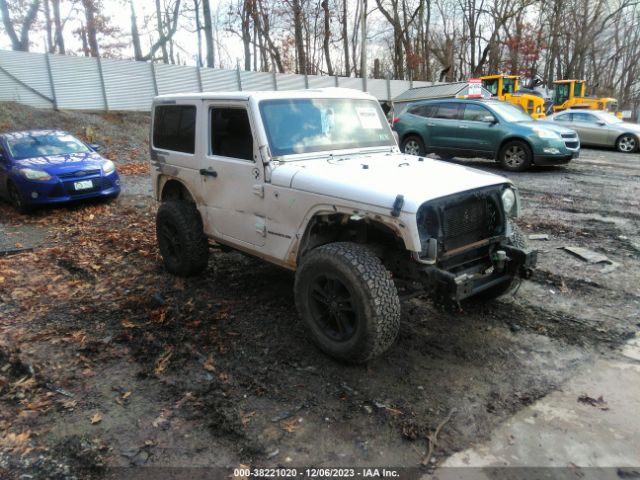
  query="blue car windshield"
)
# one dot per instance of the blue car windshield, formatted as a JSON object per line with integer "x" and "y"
{"x": 29, "y": 145}
{"x": 324, "y": 124}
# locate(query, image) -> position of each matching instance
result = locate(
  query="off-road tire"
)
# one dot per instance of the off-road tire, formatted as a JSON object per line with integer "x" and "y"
{"x": 372, "y": 296}
{"x": 414, "y": 144}
{"x": 16, "y": 198}
{"x": 517, "y": 240}
{"x": 627, "y": 143}
{"x": 515, "y": 156}
{"x": 183, "y": 244}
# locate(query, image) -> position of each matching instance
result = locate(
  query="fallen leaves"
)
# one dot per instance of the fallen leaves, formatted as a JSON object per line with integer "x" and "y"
{"x": 16, "y": 442}
{"x": 163, "y": 362}
{"x": 134, "y": 168}
{"x": 291, "y": 426}
{"x": 209, "y": 365}
{"x": 96, "y": 418}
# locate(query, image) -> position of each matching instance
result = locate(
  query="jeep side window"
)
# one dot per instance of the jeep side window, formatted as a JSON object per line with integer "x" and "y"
{"x": 231, "y": 133}
{"x": 174, "y": 128}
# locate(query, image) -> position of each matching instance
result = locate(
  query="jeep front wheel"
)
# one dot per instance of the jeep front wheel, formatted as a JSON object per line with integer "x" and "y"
{"x": 347, "y": 301}
{"x": 183, "y": 245}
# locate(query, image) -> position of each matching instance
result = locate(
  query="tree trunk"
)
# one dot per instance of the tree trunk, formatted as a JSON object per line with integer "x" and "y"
{"x": 345, "y": 39}
{"x": 161, "y": 35}
{"x": 59, "y": 39}
{"x": 327, "y": 36}
{"x": 208, "y": 32}
{"x": 19, "y": 43}
{"x": 297, "y": 27}
{"x": 91, "y": 32}
{"x": 135, "y": 36}
{"x": 47, "y": 18}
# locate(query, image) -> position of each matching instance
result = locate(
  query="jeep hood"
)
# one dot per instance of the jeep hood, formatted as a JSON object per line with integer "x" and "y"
{"x": 378, "y": 179}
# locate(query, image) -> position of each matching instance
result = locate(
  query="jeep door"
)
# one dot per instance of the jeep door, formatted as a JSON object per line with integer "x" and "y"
{"x": 232, "y": 179}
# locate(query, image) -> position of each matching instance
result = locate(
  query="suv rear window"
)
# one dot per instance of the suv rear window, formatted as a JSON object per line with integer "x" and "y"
{"x": 174, "y": 128}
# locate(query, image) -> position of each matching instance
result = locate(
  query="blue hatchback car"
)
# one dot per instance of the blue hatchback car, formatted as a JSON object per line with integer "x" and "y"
{"x": 39, "y": 167}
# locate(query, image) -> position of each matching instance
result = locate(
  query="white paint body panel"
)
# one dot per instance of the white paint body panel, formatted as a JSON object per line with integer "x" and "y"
{"x": 295, "y": 188}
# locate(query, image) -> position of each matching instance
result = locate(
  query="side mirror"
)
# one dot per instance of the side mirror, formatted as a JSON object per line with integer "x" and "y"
{"x": 95, "y": 147}
{"x": 489, "y": 119}
{"x": 601, "y": 123}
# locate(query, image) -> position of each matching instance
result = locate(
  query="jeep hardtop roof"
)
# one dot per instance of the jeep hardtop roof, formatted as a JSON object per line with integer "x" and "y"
{"x": 331, "y": 92}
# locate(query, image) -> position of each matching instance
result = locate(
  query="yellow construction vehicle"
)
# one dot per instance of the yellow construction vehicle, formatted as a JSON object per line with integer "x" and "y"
{"x": 572, "y": 94}
{"x": 506, "y": 88}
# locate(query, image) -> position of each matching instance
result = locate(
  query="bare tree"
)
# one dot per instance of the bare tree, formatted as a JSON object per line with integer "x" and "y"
{"x": 11, "y": 17}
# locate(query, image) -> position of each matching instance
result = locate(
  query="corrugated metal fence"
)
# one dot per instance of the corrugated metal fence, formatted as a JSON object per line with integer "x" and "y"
{"x": 82, "y": 83}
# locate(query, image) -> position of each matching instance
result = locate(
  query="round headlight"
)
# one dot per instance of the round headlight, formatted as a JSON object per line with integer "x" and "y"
{"x": 508, "y": 201}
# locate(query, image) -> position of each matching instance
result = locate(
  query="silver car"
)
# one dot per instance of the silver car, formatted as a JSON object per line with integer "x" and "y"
{"x": 600, "y": 128}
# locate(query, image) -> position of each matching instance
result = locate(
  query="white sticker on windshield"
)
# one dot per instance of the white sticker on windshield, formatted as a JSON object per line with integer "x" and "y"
{"x": 369, "y": 118}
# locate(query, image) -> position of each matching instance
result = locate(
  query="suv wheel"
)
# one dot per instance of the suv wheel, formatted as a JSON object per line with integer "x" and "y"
{"x": 627, "y": 143}
{"x": 347, "y": 301}
{"x": 515, "y": 156}
{"x": 508, "y": 286}
{"x": 183, "y": 245}
{"x": 413, "y": 145}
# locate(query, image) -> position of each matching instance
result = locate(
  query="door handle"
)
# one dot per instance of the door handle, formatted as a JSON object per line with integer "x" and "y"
{"x": 208, "y": 173}
{"x": 463, "y": 126}
{"x": 431, "y": 124}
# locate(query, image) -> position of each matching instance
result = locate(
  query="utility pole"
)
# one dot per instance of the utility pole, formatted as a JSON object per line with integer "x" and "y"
{"x": 363, "y": 53}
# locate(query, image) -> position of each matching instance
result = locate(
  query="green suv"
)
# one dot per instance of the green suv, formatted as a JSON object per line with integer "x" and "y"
{"x": 484, "y": 128}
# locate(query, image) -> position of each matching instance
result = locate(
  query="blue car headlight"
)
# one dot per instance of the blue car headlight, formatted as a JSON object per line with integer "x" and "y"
{"x": 108, "y": 167}
{"x": 32, "y": 174}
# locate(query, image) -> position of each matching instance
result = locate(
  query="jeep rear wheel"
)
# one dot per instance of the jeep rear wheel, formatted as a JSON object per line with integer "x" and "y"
{"x": 347, "y": 301}
{"x": 515, "y": 156}
{"x": 183, "y": 245}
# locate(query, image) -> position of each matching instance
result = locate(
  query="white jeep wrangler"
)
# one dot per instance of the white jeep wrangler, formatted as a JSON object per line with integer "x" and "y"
{"x": 313, "y": 181}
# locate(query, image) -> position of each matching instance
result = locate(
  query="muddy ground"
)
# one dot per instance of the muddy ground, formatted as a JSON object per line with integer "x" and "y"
{"x": 108, "y": 361}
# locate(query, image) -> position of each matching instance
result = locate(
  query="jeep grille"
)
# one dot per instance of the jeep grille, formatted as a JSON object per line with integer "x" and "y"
{"x": 462, "y": 219}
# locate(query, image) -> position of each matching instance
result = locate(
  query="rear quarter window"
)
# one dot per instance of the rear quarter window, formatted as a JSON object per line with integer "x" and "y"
{"x": 174, "y": 128}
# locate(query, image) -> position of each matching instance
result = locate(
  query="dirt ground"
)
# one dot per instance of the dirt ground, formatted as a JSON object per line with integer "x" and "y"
{"x": 107, "y": 361}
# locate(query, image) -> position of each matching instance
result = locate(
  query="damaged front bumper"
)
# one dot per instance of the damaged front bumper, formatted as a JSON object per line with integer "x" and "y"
{"x": 505, "y": 264}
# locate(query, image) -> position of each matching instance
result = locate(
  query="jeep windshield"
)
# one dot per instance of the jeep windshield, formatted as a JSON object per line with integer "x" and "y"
{"x": 323, "y": 124}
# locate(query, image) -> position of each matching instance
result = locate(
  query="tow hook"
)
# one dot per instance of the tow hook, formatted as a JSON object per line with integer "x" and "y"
{"x": 526, "y": 272}
{"x": 499, "y": 259}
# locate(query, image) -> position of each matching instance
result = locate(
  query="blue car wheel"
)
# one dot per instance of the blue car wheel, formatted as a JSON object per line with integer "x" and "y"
{"x": 15, "y": 197}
